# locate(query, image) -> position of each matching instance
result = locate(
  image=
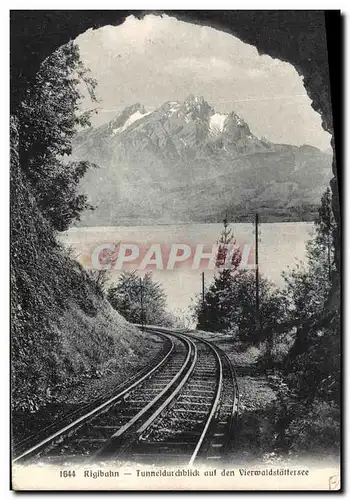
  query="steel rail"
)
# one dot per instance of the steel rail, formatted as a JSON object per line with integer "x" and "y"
{"x": 173, "y": 394}
{"x": 86, "y": 416}
{"x": 233, "y": 371}
{"x": 235, "y": 405}
{"x": 216, "y": 401}
{"x": 120, "y": 432}
{"x": 214, "y": 406}
{"x": 218, "y": 353}
{"x": 49, "y": 429}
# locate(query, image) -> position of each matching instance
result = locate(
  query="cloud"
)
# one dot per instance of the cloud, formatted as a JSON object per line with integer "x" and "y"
{"x": 205, "y": 67}
{"x": 256, "y": 73}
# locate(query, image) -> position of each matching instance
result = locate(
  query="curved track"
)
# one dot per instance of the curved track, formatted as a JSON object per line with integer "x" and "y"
{"x": 182, "y": 410}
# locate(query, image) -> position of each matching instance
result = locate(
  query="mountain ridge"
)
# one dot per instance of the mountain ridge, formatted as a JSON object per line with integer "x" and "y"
{"x": 185, "y": 162}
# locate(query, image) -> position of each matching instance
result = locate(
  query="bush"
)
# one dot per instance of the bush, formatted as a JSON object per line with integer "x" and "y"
{"x": 316, "y": 430}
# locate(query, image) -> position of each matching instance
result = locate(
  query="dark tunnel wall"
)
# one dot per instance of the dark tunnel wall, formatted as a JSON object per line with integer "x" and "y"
{"x": 297, "y": 37}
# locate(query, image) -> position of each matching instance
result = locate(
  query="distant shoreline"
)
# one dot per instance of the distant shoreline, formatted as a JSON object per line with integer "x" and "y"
{"x": 177, "y": 224}
{"x": 308, "y": 215}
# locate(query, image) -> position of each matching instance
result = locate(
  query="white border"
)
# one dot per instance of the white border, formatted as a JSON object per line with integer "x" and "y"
{"x": 4, "y": 177}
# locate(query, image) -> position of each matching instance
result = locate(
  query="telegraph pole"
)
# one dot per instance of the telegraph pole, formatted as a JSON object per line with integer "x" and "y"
{"x": 257, "y": 296}
{"x": 203, "y": 289}
{"x": 141, "y": 301}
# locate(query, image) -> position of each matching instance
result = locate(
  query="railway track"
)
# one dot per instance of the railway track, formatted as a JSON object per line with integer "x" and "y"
{"x": 180, "y": 411}
{"x": 33, "y": 440}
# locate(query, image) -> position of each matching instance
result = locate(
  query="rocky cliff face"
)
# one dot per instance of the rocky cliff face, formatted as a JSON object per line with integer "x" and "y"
{"x": 184, "y": 162}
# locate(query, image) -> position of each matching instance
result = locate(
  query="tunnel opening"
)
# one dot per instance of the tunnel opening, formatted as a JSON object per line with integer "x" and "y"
{"x": 289, "y": 36}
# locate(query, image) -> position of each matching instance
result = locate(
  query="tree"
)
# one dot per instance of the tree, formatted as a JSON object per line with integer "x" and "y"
{"x": 230, "y": 301}
{"x": 312, "y": 366}
{"x": 307, "y": 286}
{"x": 325, "y": 227}
{"x": 212, "y": 314}
{"x": 229, "y": 306}
{"x": 243, "y": 318}
{"x": 226, "y": 244}
{"x": 49, "y": 117}
{"x": 139, "y": 299}
{"x": 313, "y": 362}
{"x": 100, "y": 278}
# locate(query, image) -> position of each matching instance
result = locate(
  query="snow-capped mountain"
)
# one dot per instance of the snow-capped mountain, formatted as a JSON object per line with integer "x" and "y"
{"x": 186, "y": 162}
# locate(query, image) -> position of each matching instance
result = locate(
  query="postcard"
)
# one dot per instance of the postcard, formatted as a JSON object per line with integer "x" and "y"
{"x": 175, "y": 251}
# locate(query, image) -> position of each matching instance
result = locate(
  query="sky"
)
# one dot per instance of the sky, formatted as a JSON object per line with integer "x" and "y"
{"x": 159, "y": 59}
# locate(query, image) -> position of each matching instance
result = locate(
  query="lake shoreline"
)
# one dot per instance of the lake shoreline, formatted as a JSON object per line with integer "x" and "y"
{"x": 281, "y": 245}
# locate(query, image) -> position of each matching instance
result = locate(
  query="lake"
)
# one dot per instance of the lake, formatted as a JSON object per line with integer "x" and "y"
{"x": 280, "y": 245}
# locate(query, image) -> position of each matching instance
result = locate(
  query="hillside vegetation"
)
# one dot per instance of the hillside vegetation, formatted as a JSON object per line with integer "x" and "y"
{"x": 296, "y": 332}
{"x": 63, "y": 329}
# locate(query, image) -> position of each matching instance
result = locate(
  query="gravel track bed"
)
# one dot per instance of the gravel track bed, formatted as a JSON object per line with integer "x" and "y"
{"x": 74, "y": 397}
